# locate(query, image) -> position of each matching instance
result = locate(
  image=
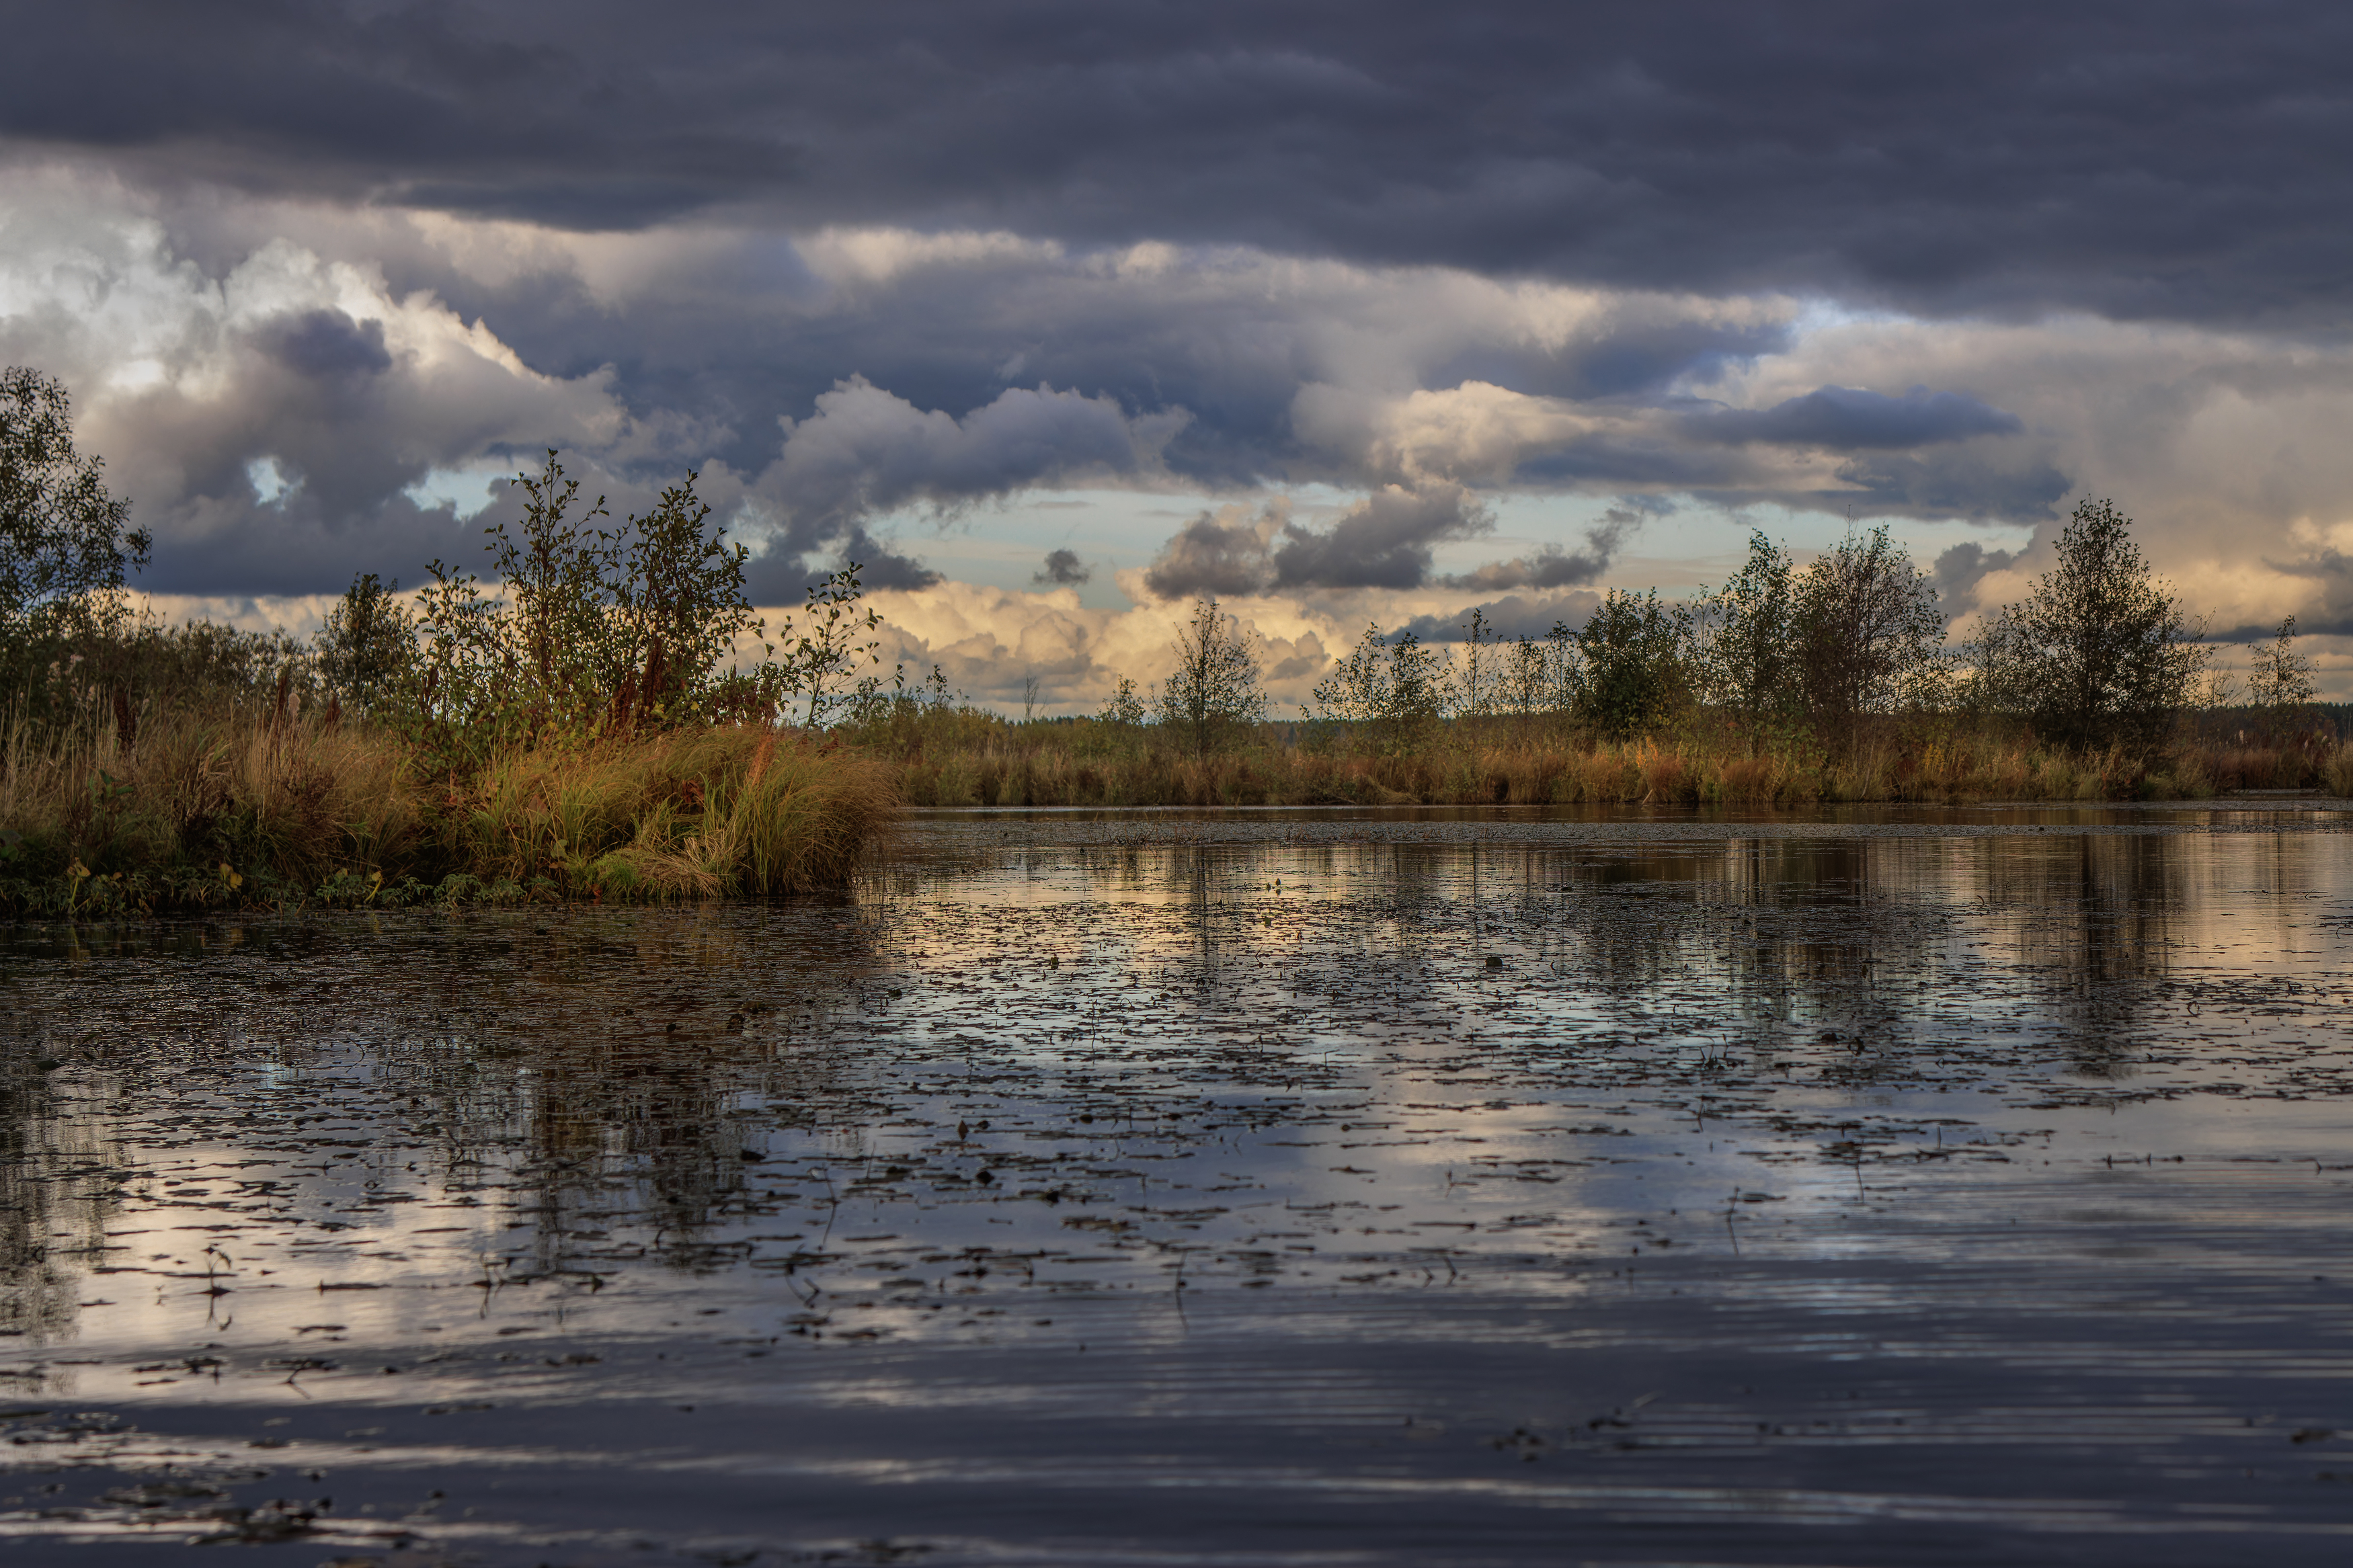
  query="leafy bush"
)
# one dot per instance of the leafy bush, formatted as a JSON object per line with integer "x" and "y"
{"x": 1215, "y": 689}
{"x": 64, "y": 542}
{"x": 1743, "y": 657}
{"x": 581, "y": 630}
{"x": 367, "y": 645}
{"x": 1637, "y": 674}
{"x": 1856, "y": 632}
{"x": 1392, "y": 692}
{"x": 1542, "y": 674}
{"x": 2099, "y": 655}
{"x": 2280, "y": 688}
{"x": 1124, "y": 707}
{"x": 1867, "y": 634}
{"x": 822, "y": 654}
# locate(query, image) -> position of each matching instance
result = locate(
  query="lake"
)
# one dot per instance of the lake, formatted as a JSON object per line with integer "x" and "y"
{"x": 1882, "y": 1185}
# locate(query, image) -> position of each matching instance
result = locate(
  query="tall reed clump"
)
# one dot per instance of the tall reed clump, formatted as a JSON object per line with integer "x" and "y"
{"x": 736, "y": 809}
{"x": 2338, "y": 772}
{"x": 202, "y": 809}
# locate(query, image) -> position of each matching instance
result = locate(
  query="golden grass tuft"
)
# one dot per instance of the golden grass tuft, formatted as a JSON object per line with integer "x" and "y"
{"x": 687, "y": 814}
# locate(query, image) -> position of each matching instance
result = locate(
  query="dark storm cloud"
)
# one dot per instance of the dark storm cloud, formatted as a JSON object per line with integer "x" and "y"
{"x": 2164, "y": 158}
{"x": 293, "y": 550}
{"x": 1218, "y": 555}
{"x": 2331, "y": 615}
{"x": 1936, "y": 484}
{"x": 1507, "y": 619}
{"x": 844, "y": 403}
{"x": 1959, "y": 569}
{"x": 1382, "y": 542}
{"x": 330, "y": 346}
{"x": 1063, "y": 570}
{"x": 897, "y": 378}
{"x": 1553, "y": 566}
{"x": 1634, "y": 357}
{"x": 1848, "y": 418}
{"x": 866, "y": 451}
{"x": 1663, "y": 459}
{"x": 1307, "y": 658}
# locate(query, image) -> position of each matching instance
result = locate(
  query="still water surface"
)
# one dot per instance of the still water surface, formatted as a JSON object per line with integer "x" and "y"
{"x": 1283, "y": 1188}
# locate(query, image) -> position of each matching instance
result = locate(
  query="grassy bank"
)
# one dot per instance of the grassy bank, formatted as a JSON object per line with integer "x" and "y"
{"x": 976, "y": 759}
{"x": 248, "y": 807}
{"x": 254, "y": 804}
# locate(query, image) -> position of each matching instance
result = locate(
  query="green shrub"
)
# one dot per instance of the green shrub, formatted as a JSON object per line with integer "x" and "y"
{"x": 2100, "y": 654}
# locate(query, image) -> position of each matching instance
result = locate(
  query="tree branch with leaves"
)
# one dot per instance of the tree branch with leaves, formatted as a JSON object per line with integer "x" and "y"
{"x": 1215, "y": 688}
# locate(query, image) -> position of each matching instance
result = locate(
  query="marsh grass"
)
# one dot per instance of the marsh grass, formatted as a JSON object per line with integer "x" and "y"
{"x": 180, "y": 812}
{"x": 968, "y": 758}
{"x": 254, "y": 804}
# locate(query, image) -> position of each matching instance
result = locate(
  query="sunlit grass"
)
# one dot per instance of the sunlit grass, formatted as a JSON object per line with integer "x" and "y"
{"x": 692, "y": 813}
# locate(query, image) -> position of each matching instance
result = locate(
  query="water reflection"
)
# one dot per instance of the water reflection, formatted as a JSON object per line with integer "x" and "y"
{"x": 580, "y": 1055}
{"x": 620, "y": 1052}
{"x": 1795, "y": 927}
{"x": 1359, "y": 1101}
{"x": 59, "y": 1171}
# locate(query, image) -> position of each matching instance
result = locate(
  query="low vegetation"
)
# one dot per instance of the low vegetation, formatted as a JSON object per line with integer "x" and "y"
{"x": 578, "y": 727}
{"x": 971, "y": 757}
{"x": 245, "y": 805}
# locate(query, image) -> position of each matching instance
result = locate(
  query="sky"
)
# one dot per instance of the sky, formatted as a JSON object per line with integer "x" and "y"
{"x": 1054, "y": 316}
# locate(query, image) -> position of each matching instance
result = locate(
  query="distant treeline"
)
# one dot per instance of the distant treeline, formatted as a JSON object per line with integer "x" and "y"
{"x": 1833, "y": 681}
{"x": 2099, "y": 656}
{"x": 2251, "y": 720}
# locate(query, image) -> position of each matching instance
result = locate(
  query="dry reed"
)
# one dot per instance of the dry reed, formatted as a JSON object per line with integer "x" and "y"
{"x": 1083, "y": 764}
